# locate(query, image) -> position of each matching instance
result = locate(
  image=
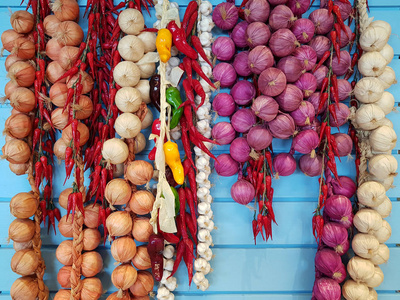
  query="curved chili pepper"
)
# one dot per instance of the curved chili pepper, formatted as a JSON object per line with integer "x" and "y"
{"x": 199, "y": 48}
{"x": 191, "y": 8}
{"x": 197, "y": 68}
{"x": 179, "y": 38}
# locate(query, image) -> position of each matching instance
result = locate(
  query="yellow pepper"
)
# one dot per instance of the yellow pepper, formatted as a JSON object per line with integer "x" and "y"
{"x": 164, "y": 44}
{"x": 173, "y": 160}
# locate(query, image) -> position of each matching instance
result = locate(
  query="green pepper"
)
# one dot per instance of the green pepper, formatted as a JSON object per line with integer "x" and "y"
{"x": 177, "y": 204}
{"x": 174, "y": 99}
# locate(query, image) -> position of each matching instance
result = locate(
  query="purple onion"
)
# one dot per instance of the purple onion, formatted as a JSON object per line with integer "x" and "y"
{"x": 277, "y": 2}
{"x": 240, "y": 63}
{"x": 290, "y": 99}
{"x": 311, "y": 166}
{"x": 256, "y": 11}
{"x": 225, "y": 74}
{"x": 307, "y": 56}
{"x": 314, "y": 99}
{"x": 291, "y": 67}
{"x": 326, "y": 288}
{"x": 283, "y": 42}
{"x": 305, "y": 142}
{"x": 259, "y": 138}
{"x": 225, "y": 15}
{"x": 320, "y": 74}
{"x": 257, "y": 33}
{"x": 238, "y": 34}
{"x": 320, "y": 44}
{"x": 347, "y": 187}
{"x": 303, "y": 29}
{"x": 264, "y": 107}
{"x": 272, "y": 82}
{"x": 303, "y": 115}
{"x": 334, "y": 235}
{"x": 329, "y": 263}
{"x": 243, "y": 92}
{"x": 259, "y": 59}
{"x": 344, "y": 144}
{"x": 341, "y": 67}
{"x": 342, "y": 114}
{"x": 226, "y": 166}
{"x": 307, "y": 83}
{"x": 224, "y": 105}
{"x": 240, "y": 149}
{"x": 315, "y": 125}
{"x": 323, "y": 20}
{"x": 223, "y": 133}
{"x": 284, "y": 164}
{"x": 281, "y": 17}
{"x": 338, "y": 208}
{"x": 243, "y": 120}
{"x": 223, "y": 48}
{"x": 298, "y": 7}
{"x": 345, "y": 9}
{"x": 282, "y": 127}
{"x": 242, "y": 192}
{"x": 345, "y": 36}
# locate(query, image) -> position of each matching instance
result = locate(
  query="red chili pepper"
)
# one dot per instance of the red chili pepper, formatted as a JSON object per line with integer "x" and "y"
{"x": 191, "y": 203}
{"x": 330, "y": 6}
{"x": 192, "y": 21}
{"x": 38, "y": 173}
{"x": 338, "y": 31}
{"x": 170, "y": 237}
{"x": 322, "y": 60}
{"x": 266, "y": 220}
{"x": 334, "y": 96}
{"x": 179, "y": 39}
{"x": 198, "y": 88}
{"x": 57, "y": 214}
{"x": 255, "y": 230}
{"x": 188, "y": 257}
{"x": 51, "y": 221}
{"x": 79, "y": 202}
{"x": 332, "y": 110}
{"x": 179, "y": 254}
{"x": 324, "y": 84}
{"x": 336, "y": 45}
{"x": 48, "y": 118}
{"x": 199, "y": 48}
{"x": 36, "y": 136}
{"x": 68, "y": 169}
{"x": 187, "y": 86}
{"x": 71, "y": 72}
{"x": 190, "y": 226}
{"x": 43, "y": 207}
{"x": 190, "y": 10}
{"x": 353, "y": 38}
{"x": 317, "y": 226}
{"x": 334, "y": 146}
{"x": 187, "y": 67}
{"x": 182, "y": 209}
{"x": 336, "y": 11}
{"x": 322, "y": 101}
{"x": 260, "y": 224}
{"x": 70, "y": 97}
{"x": 197, "y": 68}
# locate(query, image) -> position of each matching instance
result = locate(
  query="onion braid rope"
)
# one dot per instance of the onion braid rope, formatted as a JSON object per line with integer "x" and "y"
{"x": 365, "y": 151}
{"x": 202, "y": 265}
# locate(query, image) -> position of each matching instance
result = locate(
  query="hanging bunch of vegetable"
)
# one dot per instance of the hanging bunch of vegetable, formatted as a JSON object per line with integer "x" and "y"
{"x": 377, "y": 167}
{"x": 28, "y": 146}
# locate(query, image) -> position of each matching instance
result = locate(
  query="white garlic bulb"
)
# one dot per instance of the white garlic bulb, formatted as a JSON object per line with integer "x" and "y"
{"x": 115, "y": 151}
{"x": 169, "y": 251}
{"x": 382, "y": 166}
{"x": 373, "y": 295}
{"x": 383, "y": 24}
{"x": 377, "y": 278}
{"x": 383, "y": 139}
{"x": 171, "y": 283}
{"x": 368, "y": 90}
{"x": 374, "y": 38}
{"x": 365, "y": 245}
{"x": 386, "y": 182}
{"x": 203, "y": 208}
{"x": 387, "y": 122}
{"x": 385, "y": 208}
{"x": 355, "y": 291}
{"x": 388, "y": 77}
{"x": 381, "y": 256}
{"x": 371, "y": 193}
{"x": 204, "y": 285}
{"x": 386, "y": 103}
{"x": 168, "y": 264}
{"x": 360, "y": 269}
{"x": 387, "y": 52}
{"x": 202, "y": 248}
{"x": 198, "y": 277}
{"x": 207, "y": 255}
{"x": 371, "y": 64}
{"x": 200, "y": 264}
{"x": 205, "y": 8}
{"x": 367, "y": 220}
{"x": 384, "y": 232}
{"x": 369, "y": 116}
{"x": 162, "y": 292}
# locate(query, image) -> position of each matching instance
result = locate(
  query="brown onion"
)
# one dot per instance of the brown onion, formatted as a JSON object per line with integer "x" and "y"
{"x": 59, "y": 149}
{"x": 16, "y": 151}
{"x": 142, "y": 259}
{"x": 24, "y": 262}
{"x": 8, "y": 37}
{"x": 87, "y": 82}
{"x": 58, "y": 94}
{"x": 91, "y": 239}
{"x": 144, "y": 284}
{"x": 65, "y": 10}
{"x": 142, "y": 229}
{"x": 59, "y": 119}
{"x": 118, "y": 296}
{"x": 18, "y": 126}
{"x": 21, "y": 230}
{"x": 118, "y": 192}
{"x": 23, "y": 100}
{"x": 50, "y": 24}
{"x": 64, "y": 277}
{"x": 22, "y": 245}
{"x": 22, "y": 73}
{"x": 69, "y": 33}
{"x": 22, "y": 21}
{"x": 18, "y": 169}
{"x": 65, "y": 226}
{"x": 64, "y": 253}
{"x": 91, "y": 216}
{"x": 92, "y": 263}
{"x": 141, "y": 202}
{"x": 10, "y": 60}
{"x": 23, "y": 48}
{"x": 68, "y": 56}
{"x": 139, "y": 172}
{"x": 23, "y": 205}
{"x": 83, "y": 130}
{"x": 123, "y": 249}
{"x": 63, "y": 198}
{"x": 123, "y": 277}
{"x": 24, "y": 288}
{"x": 10, "y": 87}
{"x": 62, "y": 295}
{"x": 119, "y": 223}
{"x": 92, "y": 289}
{"x": 54, "y": 71}
{"x": 84, "y": 107}
{"x": 53, "y": 48}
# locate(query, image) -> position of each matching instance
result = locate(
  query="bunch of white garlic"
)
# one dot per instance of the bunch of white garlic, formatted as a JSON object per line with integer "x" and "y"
{"x": 377, "y": 140}
{"x": 205, "y": 223}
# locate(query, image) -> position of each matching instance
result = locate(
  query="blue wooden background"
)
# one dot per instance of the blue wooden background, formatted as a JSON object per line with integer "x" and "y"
{"x": 280, "y": 269}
